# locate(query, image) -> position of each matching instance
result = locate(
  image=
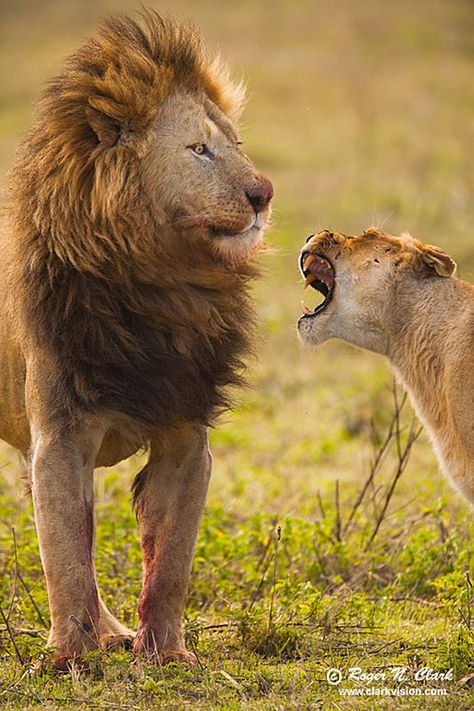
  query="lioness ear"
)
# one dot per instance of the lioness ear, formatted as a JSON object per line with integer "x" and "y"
{"x": 438, "y": 260}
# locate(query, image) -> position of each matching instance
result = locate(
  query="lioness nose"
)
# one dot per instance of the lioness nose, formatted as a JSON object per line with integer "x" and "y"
{"x": 323, "y": 233}
{"x": 259, "y": 195}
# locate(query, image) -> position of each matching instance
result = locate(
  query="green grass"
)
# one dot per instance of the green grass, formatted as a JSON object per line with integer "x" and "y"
{"x": 361, "y": 113}
{"x": 275, "y": 601}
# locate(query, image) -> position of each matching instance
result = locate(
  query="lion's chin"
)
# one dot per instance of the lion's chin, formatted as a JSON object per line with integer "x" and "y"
{"x": 237, "y": 249}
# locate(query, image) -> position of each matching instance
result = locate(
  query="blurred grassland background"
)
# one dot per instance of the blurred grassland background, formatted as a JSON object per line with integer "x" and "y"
{"x": 361, "y": 113}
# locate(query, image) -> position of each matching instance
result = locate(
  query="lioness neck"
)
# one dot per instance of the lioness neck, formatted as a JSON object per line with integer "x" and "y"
{"x": 433, "y": 355}
{"x": 426, "y": 331}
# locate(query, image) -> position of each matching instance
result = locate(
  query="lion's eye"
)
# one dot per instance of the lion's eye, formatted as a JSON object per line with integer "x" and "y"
{"x": 200, "y": 149}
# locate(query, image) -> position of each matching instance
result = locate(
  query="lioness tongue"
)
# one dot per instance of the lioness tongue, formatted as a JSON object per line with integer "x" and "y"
{"x": 319, "y": 269}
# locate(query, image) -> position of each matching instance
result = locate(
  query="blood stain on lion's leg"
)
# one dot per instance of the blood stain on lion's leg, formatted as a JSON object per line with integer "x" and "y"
{"x": 169, "y": 497}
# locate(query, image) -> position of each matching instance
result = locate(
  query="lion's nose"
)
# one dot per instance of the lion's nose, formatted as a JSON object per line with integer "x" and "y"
{"x": 260, "y": 195}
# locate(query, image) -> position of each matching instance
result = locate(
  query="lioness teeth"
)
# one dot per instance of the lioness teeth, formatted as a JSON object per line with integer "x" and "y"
{"x": 309, "y": 279}
{"x": 318, "y": 268}
{"x": 313, "y": 277}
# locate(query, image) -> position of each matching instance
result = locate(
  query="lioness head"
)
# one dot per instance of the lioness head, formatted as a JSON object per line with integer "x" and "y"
{"x": 370, "y": 285}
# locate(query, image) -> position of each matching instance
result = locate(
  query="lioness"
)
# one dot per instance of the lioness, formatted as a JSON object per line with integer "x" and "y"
{"x": 398, "y": 297}
{"x": 125, "y": 264}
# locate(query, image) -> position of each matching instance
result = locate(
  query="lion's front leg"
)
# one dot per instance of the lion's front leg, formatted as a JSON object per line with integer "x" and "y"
{"x": 170, "y": 494}
{"x": 62, "y": 478}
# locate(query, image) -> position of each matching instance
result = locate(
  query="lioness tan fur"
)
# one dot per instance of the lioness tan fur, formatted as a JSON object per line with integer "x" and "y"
{"x": 126, "y": 254}
{"x": 398, "y": 297}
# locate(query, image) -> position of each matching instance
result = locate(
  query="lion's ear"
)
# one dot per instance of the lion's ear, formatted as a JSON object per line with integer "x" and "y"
{"x": 438, "y": 260}
{"x": 105, "y": 128}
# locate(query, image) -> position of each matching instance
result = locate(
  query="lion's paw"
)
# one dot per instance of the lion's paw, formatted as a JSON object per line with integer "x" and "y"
{"x": 58, "y": 663}
{"x": 179, "y": 656}
{"x": 117, "y": 641}
{"x": 164, "y": 656}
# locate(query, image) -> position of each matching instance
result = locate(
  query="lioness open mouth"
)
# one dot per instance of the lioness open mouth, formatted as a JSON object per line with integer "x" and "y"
{"x": 318, "y": 273}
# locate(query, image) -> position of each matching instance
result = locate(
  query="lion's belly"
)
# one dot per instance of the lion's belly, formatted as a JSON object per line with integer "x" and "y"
{"x": 14, "y": 427}
{"x": 114, "y": 449}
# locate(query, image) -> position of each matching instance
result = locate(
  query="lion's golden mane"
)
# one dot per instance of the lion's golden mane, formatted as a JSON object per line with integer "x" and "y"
{"x": 98, "y": 284}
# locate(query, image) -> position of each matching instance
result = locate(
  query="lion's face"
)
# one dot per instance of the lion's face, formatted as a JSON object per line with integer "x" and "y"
{"x": 202, "y": 182}
{"x": 369, "y": 283}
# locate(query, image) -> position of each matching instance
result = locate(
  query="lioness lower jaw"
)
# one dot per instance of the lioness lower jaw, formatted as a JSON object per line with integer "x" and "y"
{"x": 311, "y": 333}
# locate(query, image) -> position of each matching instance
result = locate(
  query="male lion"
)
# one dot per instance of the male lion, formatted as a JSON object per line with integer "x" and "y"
{"x": 398, "y": 297}
{"x": 133, "y": 216}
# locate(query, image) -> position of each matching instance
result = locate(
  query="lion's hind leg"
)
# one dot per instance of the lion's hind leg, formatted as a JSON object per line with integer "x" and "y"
{"x": 112, "y": 633}
{"x": 169, "y": 496}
